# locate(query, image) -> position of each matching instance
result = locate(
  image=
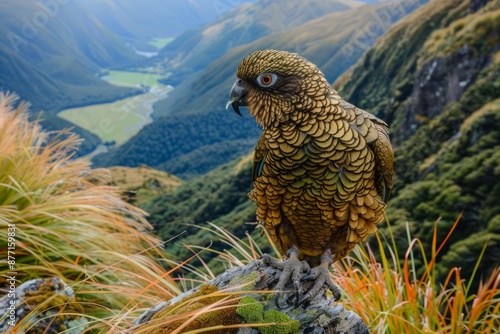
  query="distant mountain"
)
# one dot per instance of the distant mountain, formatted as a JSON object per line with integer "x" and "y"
{"x": 139, "y": 21}
{"x": 49, "y": 55}
{"x": 443, "y": 58}
{"x": 54, "y": 63}
{"x": 195, "y": 120}
{"x": 195, "y": 49}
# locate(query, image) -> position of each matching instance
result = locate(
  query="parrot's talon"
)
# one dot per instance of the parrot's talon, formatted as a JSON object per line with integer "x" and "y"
{"x": 277, "y": 298}
{"x": 336, "y": 293}
{"x": 307, "y": 277}
{"x": 267, "y": 259}
{"x": 321, "y": 277}
{"x": 292, "y": 299}
{"x": 292, "y": 269}
{"x": 302, "y": 300}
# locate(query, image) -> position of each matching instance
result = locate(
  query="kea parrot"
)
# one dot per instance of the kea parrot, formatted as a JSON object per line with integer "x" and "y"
{"x": 322, "y": 170}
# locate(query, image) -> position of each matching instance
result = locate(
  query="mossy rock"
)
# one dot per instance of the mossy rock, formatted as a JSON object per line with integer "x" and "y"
{"x": 249, "y": 307}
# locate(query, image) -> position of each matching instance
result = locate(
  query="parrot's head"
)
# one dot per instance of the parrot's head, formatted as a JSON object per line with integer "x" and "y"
{"x": 274, "y": 83}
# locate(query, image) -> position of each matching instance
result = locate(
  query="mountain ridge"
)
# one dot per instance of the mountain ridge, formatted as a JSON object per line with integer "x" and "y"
{"x": 194, "y": 50}
{"x": 137, "y": 23}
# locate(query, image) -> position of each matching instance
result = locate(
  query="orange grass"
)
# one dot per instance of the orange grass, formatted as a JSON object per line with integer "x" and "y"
{"x": 70, "y": 224}
{"x": 392, "y": 299}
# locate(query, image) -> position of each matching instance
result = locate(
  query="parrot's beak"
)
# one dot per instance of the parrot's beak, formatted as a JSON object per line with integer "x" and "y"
{"x": 237, "y": 96}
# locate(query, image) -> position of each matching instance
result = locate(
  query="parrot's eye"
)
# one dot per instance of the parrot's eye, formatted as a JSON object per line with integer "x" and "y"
{"x": 267, "y": 79}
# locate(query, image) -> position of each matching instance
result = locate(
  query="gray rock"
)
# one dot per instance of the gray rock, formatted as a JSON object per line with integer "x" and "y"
{"x": 37, "y": 294}
{"x": 321, "y": 315}
{"x": 438, "y": 83}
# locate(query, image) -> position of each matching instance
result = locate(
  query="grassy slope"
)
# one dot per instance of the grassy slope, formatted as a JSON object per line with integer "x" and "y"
{"x": 143, "y": 183}
{"x": 196, "y": 108}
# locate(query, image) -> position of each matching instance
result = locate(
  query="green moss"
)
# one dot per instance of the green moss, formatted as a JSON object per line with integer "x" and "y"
{"x": 309, "y": 316}
{"x": 252, "y": 312}
{"x": 284, "y": 324}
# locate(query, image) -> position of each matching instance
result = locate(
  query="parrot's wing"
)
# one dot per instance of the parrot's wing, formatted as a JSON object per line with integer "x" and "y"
{"x": 384, "y": 157}
{"x": 376, "y": 133}
{"x": 259, "y": 158}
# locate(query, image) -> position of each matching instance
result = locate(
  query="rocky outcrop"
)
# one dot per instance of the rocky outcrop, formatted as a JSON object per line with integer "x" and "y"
{"x": 438, "y": 83}
{"x": 41, "y": 306}
{"x": 244, "y": 296}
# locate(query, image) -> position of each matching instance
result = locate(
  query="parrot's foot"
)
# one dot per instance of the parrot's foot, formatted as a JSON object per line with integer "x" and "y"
{"x": 321, "y": 277}
{"x": 292, "y": 268}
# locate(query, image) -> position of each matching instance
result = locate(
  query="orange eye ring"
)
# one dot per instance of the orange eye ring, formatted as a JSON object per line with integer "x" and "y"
{"x": 266, "y": 80}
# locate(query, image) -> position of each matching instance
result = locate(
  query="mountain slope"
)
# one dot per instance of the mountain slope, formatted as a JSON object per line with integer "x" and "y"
{"x": 196, "y": 108}
{"x": 439, "y": 88}
{"x": 49, "y": 55}
{"x": 143, "y": 183}
{"x": 380, "y": 70}
{"x": 53, "y": 65}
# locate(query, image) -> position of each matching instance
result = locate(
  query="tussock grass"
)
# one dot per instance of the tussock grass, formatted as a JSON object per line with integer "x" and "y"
{"x": 71, "y": 227}
{"x": 392, "y": 298}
